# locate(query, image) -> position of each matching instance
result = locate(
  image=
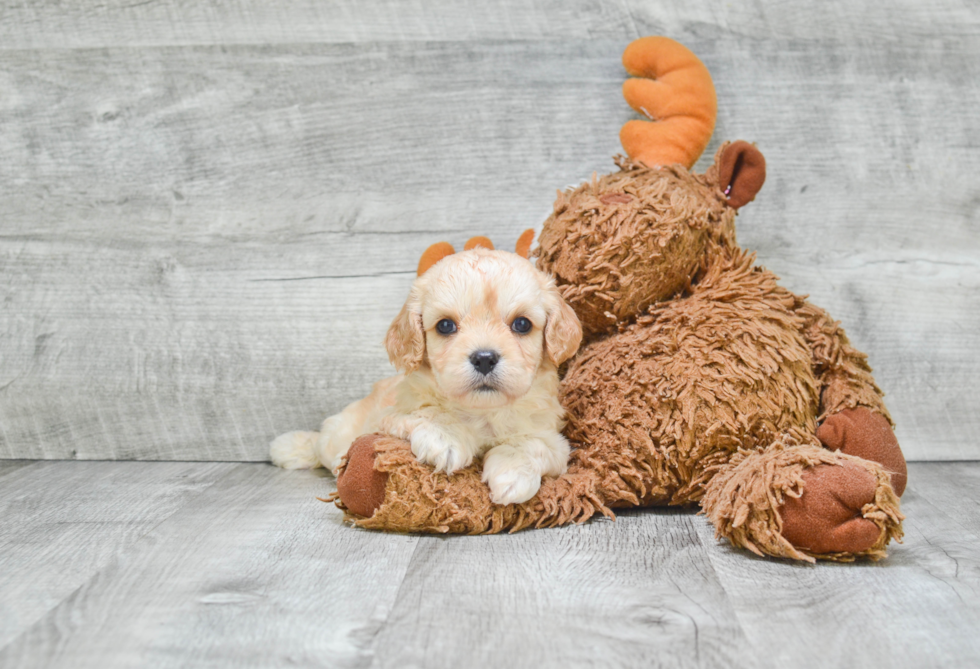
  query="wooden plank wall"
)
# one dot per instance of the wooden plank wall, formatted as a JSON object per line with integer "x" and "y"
{"x": 209, "y": 212}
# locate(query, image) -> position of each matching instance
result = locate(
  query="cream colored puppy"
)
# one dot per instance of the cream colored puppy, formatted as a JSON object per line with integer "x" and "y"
{"x": 478, "y": 344}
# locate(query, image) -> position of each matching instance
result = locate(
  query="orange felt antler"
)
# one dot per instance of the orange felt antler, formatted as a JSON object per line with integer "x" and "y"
{"x": 440, "y": 250}
{"x": 434, "y": 254}
{"x": 676, "y": 93}
{"x": 523, "y": 246}
{"x": 481, "y": 242}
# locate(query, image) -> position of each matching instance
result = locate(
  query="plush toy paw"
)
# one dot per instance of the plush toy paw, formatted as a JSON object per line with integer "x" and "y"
{"x": 866, "y": 434}
{"x": 359, "y": 485}
{"x": 827, "y": 517}
{"x": 433, "y": 446}
{"x": 803, "y": 501}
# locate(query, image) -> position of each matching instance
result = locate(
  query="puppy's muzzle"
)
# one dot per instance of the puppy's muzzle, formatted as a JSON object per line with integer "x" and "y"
{"x": 484, "y": 361}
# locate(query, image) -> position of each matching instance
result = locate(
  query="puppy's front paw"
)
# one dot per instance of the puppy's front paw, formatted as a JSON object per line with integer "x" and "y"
{"x": 512, "y": 486}
{"x": 434, "y": 447}
{"x": 513, "y": 471}
{"x": 511, "y": 475}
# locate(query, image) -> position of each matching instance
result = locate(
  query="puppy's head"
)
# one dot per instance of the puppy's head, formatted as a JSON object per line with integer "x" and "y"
{"x": 485, "y": 323}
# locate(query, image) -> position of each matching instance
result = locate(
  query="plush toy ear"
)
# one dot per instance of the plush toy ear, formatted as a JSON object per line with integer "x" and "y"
{"x": 434, "y": 254}
{"x": 741, "y": 173}
{"x": 523, "y": 246}
{"x": 562, "y": 331}
{"x": 405, "y": 341}
{"x": 481, "y": 242}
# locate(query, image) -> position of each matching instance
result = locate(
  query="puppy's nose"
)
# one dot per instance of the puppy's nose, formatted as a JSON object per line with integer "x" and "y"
{"x": 484, "y": 361}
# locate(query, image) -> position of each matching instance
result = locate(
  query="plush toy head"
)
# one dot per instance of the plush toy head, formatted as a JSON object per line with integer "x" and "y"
{"x": 636, "y": 237}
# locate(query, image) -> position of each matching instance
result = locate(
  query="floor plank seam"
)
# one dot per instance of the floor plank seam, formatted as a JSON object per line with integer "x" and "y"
{"x": 394, "y": 600}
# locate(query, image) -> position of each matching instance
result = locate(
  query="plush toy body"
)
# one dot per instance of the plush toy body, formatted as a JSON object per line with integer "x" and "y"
{"x": 709, "y": 389}
{"x": 702, "y": 381}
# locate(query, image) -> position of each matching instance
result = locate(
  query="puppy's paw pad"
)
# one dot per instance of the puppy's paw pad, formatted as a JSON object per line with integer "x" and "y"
{"x": 433, "y": 447}
{"x": 294, "y": 450}
{"x": 512, "y": 487}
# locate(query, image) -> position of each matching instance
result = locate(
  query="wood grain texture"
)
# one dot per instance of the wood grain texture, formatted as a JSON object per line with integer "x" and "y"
{"x": 91, "y": 24}
{"x": 953, "y": 487}
{"x": 566, "y": 597}
{"x": 207, "y": 223}
{"x": 238, "y": 565}
{"x": 64, "y": 522}
{"x": 868, "y": 614}
{"x": 10, "y": 466}
{"x": 253, "y": 572}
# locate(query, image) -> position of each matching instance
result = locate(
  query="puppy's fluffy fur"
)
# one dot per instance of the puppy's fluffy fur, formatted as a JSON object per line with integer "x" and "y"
{"x": 450, "y": 409}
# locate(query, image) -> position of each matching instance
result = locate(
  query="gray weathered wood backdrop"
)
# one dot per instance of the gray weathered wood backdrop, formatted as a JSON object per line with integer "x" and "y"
{"x": 210, "y": 211}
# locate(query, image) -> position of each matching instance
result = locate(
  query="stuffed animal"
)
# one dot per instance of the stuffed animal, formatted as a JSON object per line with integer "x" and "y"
{"x": 701, "y": 381}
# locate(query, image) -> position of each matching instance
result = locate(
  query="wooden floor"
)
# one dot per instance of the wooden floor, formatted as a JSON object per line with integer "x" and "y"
{"x": 224, "y": 564}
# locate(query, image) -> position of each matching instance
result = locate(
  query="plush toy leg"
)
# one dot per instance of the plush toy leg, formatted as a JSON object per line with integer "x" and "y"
{"x": 801, "y": 501}
{"x": 845, "y": 377}
{"x": 382, "y": 486}
{"x": 855, "y": 420}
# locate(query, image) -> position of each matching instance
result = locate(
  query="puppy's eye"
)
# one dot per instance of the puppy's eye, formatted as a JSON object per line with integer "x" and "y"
{"x": 445, "y": 327}
{"x": 521, "y": 325}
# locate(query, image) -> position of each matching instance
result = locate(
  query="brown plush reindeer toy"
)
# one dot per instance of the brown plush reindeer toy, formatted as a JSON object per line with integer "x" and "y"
{"x": 700, "y": 379}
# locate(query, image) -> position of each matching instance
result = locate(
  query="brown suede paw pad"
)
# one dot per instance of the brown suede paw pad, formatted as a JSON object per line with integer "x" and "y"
{"x": 866, "y": 434}
{"x": 360, "y": 486}
{"x": 827, "y": 517}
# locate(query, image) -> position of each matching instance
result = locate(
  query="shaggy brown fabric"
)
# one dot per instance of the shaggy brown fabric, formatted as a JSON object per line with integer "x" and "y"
{"x": 842, "y": 370}
{"x": 630, "y": 239}
{"x": 702, "y": 380}
{"x": 744, "y": 499}
{"x": 655, "y": 406}
{"x": 417, "y": 499}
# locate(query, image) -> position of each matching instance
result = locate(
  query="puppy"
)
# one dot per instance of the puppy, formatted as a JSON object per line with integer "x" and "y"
{"x": 478, "y": 344}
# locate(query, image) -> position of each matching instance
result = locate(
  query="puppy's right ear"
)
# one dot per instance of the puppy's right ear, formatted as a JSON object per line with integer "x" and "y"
{"x": 405, "y": 340}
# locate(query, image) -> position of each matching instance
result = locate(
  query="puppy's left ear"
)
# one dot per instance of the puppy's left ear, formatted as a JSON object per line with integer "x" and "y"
{"x": 562, "y": 331}
{"x": 405, "y": 341}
